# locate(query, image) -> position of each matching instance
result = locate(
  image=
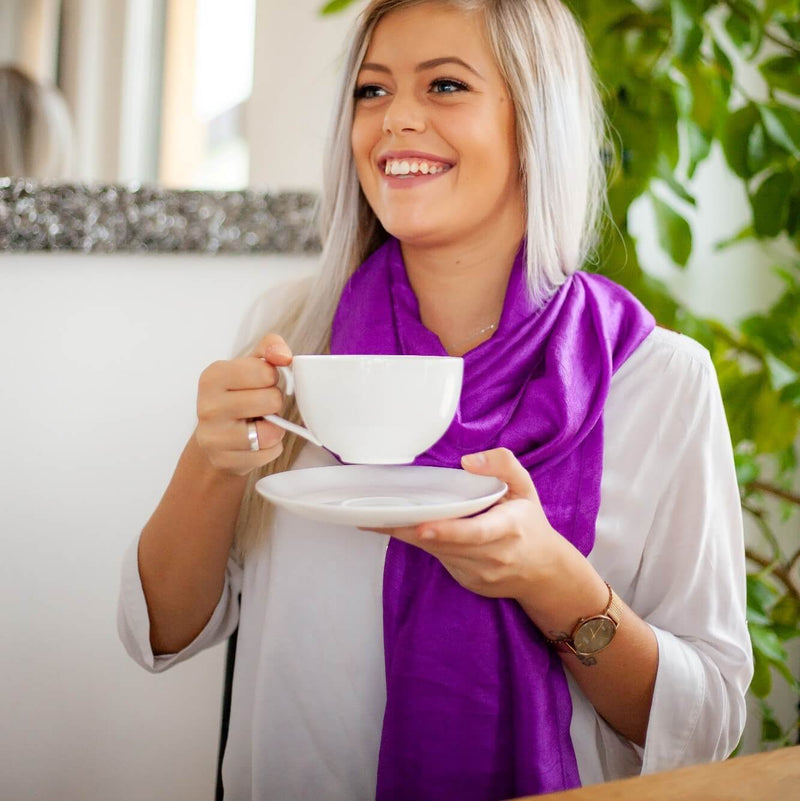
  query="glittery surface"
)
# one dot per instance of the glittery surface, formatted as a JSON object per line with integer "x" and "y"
{"x": 134, "y": 219}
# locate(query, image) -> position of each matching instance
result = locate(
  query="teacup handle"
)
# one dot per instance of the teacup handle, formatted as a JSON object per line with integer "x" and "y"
{"x": 288, "y": 379}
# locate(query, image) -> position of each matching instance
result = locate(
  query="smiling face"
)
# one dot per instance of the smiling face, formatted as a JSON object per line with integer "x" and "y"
{"x": 433, "y": 133}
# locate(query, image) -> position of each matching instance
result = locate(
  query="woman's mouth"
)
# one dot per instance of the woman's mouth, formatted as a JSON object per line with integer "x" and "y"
{"x": 411, "y": 167}
{"x": 406, "y": 171}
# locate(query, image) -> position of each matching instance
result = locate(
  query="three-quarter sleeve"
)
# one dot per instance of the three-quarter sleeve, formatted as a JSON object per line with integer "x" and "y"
{"x": 670, "y": 542}
{"x": 691, "y": 589}
{"x": 133, "y": 622}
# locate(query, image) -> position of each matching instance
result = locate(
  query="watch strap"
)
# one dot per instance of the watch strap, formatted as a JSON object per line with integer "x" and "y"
{"x": 613, "y": 612}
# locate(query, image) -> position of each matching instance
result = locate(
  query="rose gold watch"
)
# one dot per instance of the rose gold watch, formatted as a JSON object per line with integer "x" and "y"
{"x": 592, "y": 634}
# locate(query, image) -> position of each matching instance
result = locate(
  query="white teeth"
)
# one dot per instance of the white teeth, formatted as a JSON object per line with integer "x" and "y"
{"x": 399, "y": 167}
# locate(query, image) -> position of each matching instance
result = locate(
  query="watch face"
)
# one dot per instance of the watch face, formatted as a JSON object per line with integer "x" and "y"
{"x": 594, "y": 635}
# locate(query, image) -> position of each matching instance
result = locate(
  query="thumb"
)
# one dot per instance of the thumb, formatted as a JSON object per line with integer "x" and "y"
{"x": 272, "y": 348}
{"x": 501, "y": 463}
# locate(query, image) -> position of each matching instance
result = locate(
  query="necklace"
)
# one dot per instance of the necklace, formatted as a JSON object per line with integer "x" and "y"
{"x": 474, "y": 339}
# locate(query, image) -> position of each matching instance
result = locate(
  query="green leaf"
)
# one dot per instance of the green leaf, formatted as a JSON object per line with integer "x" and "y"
{"x": 747, "y": 469}
{"x": 748, "y": 232}
{"x": 724, "y": 70}
{"x": 695, "y": 327}
{"x": 746, "y": 29}
{"x": 770, "y": 204}
{"x": 683, "y": 97}
{"x": 674, "y": 233}
{"x": 739, "y": 391}
{"x": 687, "y": 35}
{"x": 736, "y": 136}
{"x": 786, "y": 633}
{"x": 783, "y": 126}
{"x": 773, "y": 8}
{"x": 791, "y": 27}
{"x": 782, "y": 72}
{"x": 787, "y": 612}
{"x": 786, "y": 673}
{"x": 760, "y": 595}
{"x": 766, "y": 642}
{"x": 780, "y": 374}
{"x": 788, "y": 461}
{"x": 655, "y": 296}
{"x": 778, "y": 329}
{"x": 757, "y": 149}
{"x": 667, "y": 175}
{"x": 597, "y": 18}
{"x": 637, "y": 132}
{"x": 761, "y": 683}
{"x": 791, "y": 394}
{"x": 774, "y": 423}
{"x": 770, "y": 730}
{"x": 699, "y": 146}
{"x": 762, "y": 152}
{"x": 665, "y": 112}
{"x": 793, "y": 221}
{"x": 335, "y": 6}
{"x": 758, "y": 617}
{"x": 705, "y": 97}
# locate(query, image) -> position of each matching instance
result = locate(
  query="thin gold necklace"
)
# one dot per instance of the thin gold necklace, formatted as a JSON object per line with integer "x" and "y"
{"x": 473, "y": 340}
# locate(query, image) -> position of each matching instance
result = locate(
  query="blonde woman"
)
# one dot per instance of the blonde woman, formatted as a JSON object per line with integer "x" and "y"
{"x": 462, "y": 193}
{"x": 35, "y": 128}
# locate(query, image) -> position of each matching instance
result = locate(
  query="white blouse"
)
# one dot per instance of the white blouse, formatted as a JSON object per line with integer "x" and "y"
{"x": 309, "y": 687}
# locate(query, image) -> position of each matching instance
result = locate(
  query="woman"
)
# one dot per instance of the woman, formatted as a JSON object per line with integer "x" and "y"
{"x": 588, "y": 627}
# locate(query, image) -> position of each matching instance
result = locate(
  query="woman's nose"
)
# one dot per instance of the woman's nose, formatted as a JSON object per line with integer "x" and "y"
{"x": 404, "y": 114}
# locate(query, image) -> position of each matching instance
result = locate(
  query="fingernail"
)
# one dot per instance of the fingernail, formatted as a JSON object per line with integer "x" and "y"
{"x": 475, "y": 459}
{"x": 427, "y": 534}
{"x": 282, "y": 349}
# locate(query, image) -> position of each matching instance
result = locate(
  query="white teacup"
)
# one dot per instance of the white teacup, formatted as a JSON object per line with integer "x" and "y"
{"x": 373, "y": 409}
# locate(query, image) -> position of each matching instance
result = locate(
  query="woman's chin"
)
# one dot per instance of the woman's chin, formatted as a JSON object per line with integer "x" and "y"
{"x": 418, "y": 233}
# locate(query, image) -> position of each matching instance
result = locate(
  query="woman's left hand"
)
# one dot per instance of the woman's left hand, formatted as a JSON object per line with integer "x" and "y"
{"x": 509, "y": 551}
{"x": 512, "y": 551}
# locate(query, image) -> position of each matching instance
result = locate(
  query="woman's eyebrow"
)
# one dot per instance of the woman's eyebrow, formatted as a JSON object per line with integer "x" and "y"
{"x": 424, "y": 65}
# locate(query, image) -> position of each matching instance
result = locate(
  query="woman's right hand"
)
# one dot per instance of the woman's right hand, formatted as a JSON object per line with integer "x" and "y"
{"x": 230, "y": 393}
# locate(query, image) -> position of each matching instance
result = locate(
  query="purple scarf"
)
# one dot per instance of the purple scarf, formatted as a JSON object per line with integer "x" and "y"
{"x": 477, "y": 704}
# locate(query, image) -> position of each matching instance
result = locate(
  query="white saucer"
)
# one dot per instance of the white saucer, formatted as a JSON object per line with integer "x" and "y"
{"x": 381, "y": 496}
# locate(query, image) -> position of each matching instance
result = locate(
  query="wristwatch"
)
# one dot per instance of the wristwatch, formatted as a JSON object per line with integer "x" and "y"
{"x": 592, "y": 634}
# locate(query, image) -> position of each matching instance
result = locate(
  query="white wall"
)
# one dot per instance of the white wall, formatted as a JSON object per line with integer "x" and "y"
{"x": 100, "y": 358}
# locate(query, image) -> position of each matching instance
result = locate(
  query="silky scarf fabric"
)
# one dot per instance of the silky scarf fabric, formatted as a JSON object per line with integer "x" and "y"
{"x": 477, "y": 704}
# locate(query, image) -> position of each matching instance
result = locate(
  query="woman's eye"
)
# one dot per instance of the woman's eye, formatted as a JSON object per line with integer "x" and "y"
{"x": 448, "y": 86}
{"x": 367, "y": 91}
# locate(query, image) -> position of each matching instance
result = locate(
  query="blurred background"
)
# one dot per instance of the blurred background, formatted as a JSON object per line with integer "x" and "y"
{"x": 101, "y": 352}
{"x": 185, "y": 93}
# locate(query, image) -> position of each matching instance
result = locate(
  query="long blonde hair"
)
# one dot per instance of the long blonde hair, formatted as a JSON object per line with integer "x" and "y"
{"x": 543, "y": 57}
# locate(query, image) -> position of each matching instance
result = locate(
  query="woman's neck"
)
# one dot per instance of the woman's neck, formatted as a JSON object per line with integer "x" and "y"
{"x": 461, "y": 289}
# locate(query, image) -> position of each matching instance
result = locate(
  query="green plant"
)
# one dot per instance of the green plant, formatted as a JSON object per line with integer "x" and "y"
{"x": 671, "y": 71}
